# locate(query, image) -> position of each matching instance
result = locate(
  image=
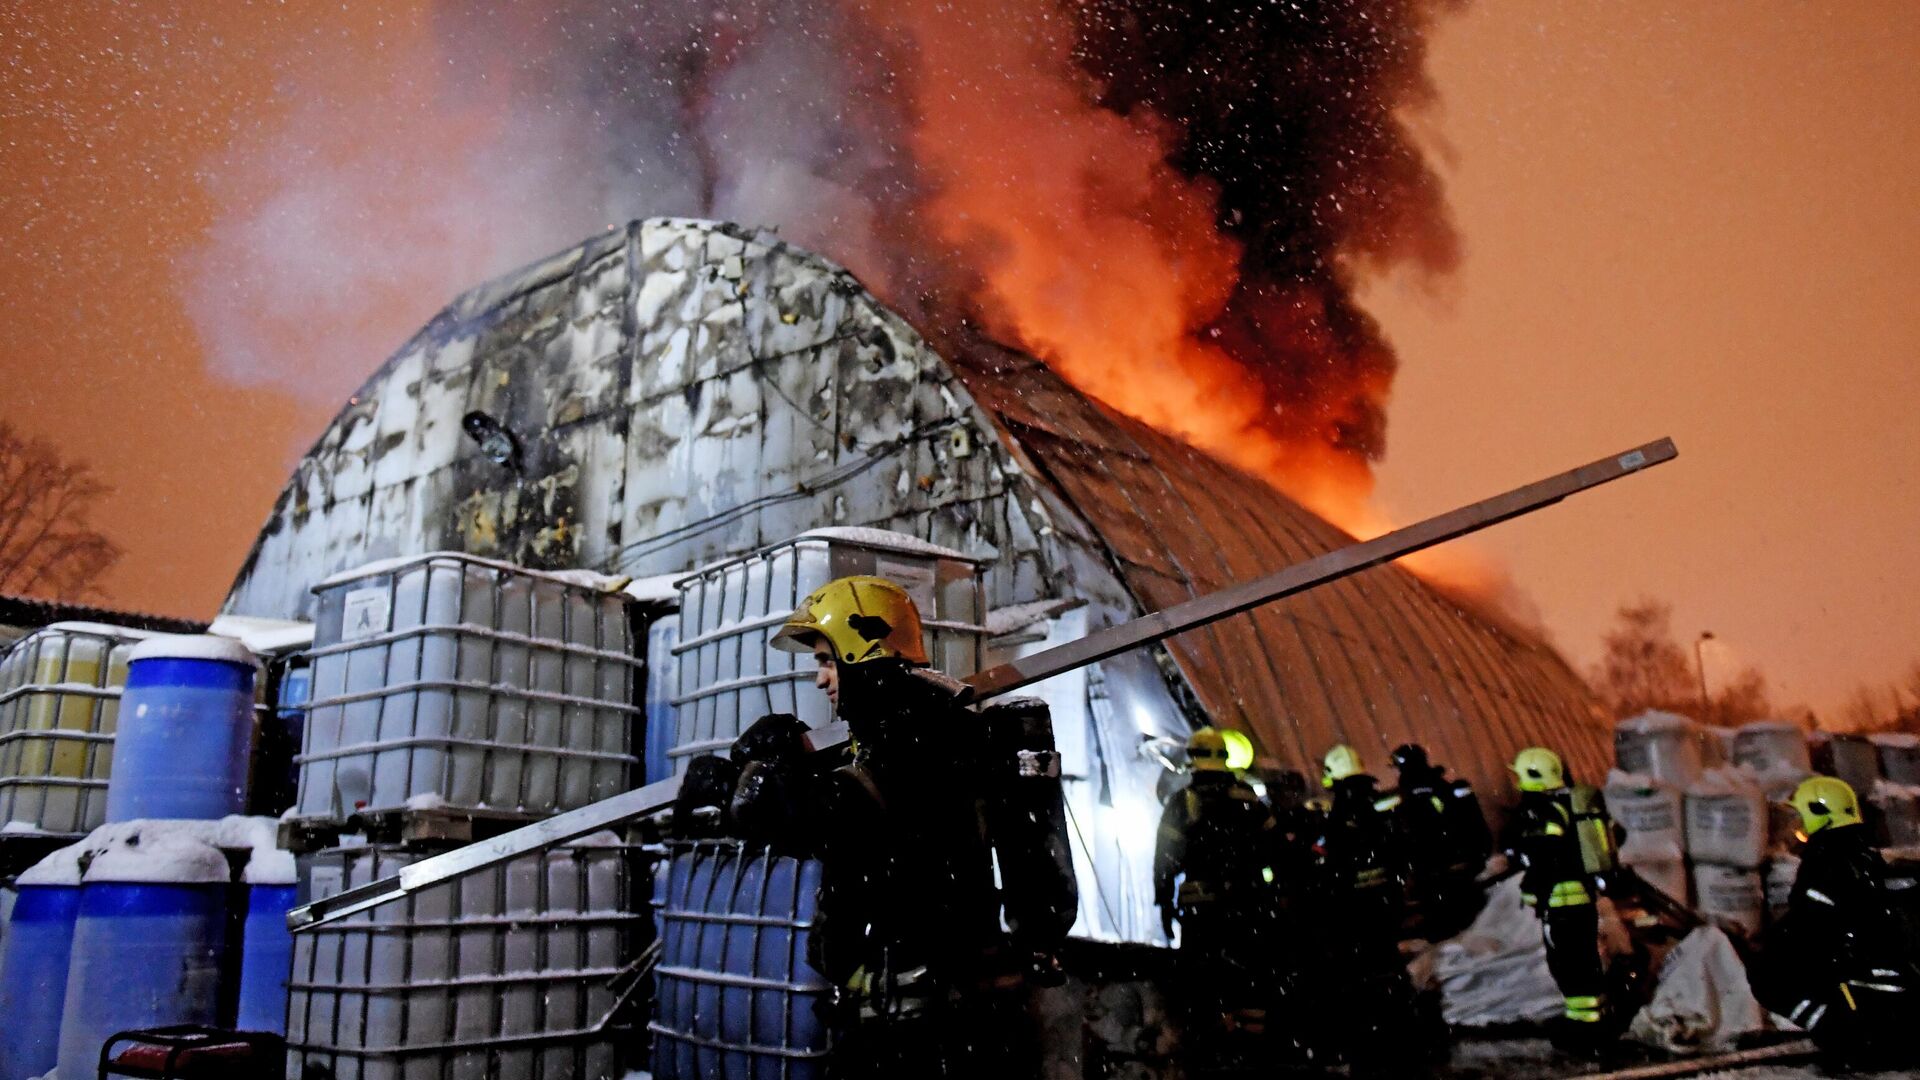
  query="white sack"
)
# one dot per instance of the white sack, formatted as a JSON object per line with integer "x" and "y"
{"x": 1495, "y": 971}
{"x": 1730, "y": 897}
{"x": 1650, "y": 812}
{"x": 1726, "y": 819}
{"x": 1663, "y": 745}
{"x": 1702, "y": 1002}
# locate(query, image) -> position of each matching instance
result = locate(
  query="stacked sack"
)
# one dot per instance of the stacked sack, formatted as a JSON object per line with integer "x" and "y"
{"x": 1727, "y": 842}
{"x": 1896, "y": 794}
{"x": 1657, "y": 755}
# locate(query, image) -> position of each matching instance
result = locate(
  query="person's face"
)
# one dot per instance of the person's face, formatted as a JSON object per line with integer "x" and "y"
{"x": 828, "y": 677}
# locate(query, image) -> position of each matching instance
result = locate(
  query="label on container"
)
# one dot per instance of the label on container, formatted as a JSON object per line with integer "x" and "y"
{"x": 368, "y": 613}
{"x": 325, "y": 881}
{"x": 916, "y": 578}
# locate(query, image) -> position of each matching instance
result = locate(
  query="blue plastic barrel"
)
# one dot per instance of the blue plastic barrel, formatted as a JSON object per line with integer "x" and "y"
{"x": 33, "y": 975}
{"x": 150, "y": 944}
{"x": 736, "y": 998}
{"x": 266, "y": 960}
{"x": 186, "y": 730}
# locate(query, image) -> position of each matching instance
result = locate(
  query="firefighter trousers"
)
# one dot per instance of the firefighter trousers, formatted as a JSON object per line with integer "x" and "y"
{"x": 1572, "y": 931}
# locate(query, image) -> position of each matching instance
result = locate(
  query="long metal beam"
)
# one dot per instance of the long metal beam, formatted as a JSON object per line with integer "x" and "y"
{"x": 1316, "y": 571}
{"x": 1004, "y": 678}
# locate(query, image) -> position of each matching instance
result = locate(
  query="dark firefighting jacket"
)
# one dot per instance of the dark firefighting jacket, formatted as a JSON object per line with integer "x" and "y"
{"x": 1218, "y": 835}
{"x": 1840, "y": 928}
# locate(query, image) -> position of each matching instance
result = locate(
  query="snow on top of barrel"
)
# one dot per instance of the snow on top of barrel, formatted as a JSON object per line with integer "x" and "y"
{"x": 125, "y": 633}
{"x": 156, "y": 853}
{"x": 60, "y": 867}
{"x": 192, "y": 647}
{"x": 1898, "y": 740}
{"x": 271, "y": 866}
{"x": 1770, "y": 727}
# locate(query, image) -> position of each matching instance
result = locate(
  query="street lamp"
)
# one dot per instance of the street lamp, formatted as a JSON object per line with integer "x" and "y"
{"x": 1700, "y": 666}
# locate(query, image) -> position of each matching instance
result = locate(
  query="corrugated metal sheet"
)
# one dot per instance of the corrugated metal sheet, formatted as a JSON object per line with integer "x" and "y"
{"x": 685, "y": 391}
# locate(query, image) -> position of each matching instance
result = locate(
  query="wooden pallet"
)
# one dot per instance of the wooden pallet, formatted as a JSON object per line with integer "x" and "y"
{"x": 439, "y": 826}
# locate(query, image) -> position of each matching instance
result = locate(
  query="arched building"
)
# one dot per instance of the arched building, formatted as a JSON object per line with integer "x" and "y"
{"x": 680, "y": 391}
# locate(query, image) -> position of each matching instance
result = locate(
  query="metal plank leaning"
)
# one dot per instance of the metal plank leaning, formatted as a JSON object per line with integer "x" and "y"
{"x": 1005, "y": 678}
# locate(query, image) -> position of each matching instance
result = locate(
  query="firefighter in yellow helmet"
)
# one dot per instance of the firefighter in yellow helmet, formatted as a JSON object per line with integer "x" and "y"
{"x": 1837, "y": 962}
{"x": 1563, "y": 841}
{"x": 1358, "y": 903}
{"x": 1212, "y": 873}
{"x": 910, "y": 827}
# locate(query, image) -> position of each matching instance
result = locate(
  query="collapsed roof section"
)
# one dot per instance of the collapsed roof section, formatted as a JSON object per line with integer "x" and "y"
{"x": 681, "y": 391}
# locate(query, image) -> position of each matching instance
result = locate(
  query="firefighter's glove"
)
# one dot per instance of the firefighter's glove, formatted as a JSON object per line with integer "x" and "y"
{"x": 704, "y": 794}
{"x": 776, "y": 737}
{"x": 1043, "y": 969}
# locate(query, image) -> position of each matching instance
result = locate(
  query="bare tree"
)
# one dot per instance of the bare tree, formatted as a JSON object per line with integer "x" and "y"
{"x": 48, "y": 547}
{"x": 1643, "y": 668}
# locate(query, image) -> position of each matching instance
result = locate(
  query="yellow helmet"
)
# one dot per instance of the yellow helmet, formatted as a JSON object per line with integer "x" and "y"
{"x": 1239, "y": 749}
{"x": 1825, "y": 802}
{"x": 1341, "y": 762}
{"x": 1207, "y": 750}
{"x": 1539, "y": 769}
{"x": 861, "y": 618}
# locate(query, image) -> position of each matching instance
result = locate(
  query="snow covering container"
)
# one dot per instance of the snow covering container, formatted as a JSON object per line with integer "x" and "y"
{"x": 267, "y": 946}
{"x": 33, "y": 964}
{"x": 1898, "y": 807}
{"x": 150, "y": 944}
{"x": 735, "y": 998}
{"x": 60, "y": 691}
{"x": 446, "y": 679}
{"x": 1772, "y": 746}
{"x": 727, "y": 674}
{"x": 1665, "y": 746}
{"x": 186, "y": 736}
{"x": 518, "y": 972}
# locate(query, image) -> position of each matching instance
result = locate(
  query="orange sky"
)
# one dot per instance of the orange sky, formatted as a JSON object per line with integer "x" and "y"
{"x": 1679, "y": 218}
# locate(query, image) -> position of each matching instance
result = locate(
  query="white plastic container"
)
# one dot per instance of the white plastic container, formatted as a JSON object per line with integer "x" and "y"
{"x": 1730, "y": 897}
{"x": 449, "y": 680}
{"x": 59, "y": 708}
{"x": 1662, "y": 745}
{"x": 511, "y": 973}
{"x": 1726, "y": 819}
{"x": 728, "y": 676}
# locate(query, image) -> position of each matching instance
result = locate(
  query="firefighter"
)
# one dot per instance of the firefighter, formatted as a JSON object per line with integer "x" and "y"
{"x": 1213, "y": 874}
{"x": 909, "y": 830}
{"x": 1445, "y": 839}
{"x": 1839, "y": 964}
{"x": 1358, "y": 906}
{"x": 1562, "y": 841}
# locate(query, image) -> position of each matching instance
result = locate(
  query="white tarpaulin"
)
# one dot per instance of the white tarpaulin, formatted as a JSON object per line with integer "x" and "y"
{"x": 1495, "y": 971}
{"x": 1702, "y": 1001}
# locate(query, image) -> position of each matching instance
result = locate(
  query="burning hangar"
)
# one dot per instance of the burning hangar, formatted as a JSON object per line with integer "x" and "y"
{"x": 679, "y": 392}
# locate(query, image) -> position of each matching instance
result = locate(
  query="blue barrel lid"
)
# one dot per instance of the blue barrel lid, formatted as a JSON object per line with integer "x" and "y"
{"x": 192, "y": 647}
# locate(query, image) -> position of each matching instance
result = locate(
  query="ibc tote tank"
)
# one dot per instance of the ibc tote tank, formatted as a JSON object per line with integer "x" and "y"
{"x": 33, "y": 963}
{"x": 150, "y": 943}
{"x": 186, "y": 730}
